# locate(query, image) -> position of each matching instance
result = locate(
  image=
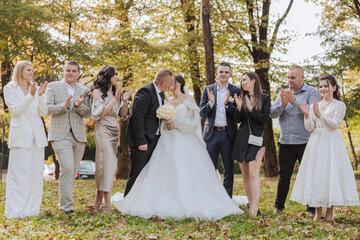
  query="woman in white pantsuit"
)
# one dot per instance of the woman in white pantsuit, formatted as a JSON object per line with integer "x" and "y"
{"x": 27, "y": 140}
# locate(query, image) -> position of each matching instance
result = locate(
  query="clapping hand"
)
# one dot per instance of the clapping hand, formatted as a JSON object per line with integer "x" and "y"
{"x": 290, "y": 96}
{"x": 33, "y": 88}
{"x": 227, "y": 97}
{"x": 238, "y": 101}
{"x": 68, "y": 101}
{"x": 305, "y": 109}
{"x": 210, "y": 96}
{"x": 79, "y": 100}
{"x": 118, "y": 94}
{"x": 42, "y": 88}
{"x": 127, "y": 95}
{"x": 316, "y": 109}
{"x": 284, "y": 98}
{"x": 248, "y": 103}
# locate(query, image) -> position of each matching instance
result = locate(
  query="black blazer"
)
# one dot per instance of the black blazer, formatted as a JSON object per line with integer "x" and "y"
{"x": 210, "y": 113}
{"x": 143, "y": 123}
{"x": 257, "y": 119}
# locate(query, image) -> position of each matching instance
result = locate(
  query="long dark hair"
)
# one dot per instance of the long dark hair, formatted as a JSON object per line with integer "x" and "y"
{"x": 180, "y": 80}
{"x": 257, "y": 90}
{"x": 332, "y": 81}
{"x": 103, "y": 80}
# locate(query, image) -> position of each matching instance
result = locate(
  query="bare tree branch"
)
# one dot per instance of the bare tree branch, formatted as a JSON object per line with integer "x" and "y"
{"x": 357, "y": 6}
{"x": 233, "y": 28}
{"x": 252, "y": 25}
{"x": 277, "y": 26}
{"x": 264, "y": 22}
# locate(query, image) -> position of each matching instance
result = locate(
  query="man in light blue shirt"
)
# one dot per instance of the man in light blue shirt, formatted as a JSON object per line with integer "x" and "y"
{"x": 293, "y": 135}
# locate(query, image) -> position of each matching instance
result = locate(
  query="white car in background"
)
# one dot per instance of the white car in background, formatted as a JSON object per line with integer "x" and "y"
{"x": 86, "y": 170}
{"x": 49, "y": 172}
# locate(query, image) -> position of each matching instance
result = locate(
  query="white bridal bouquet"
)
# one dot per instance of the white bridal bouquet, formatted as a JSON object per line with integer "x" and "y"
{"x": 166, "y": 112}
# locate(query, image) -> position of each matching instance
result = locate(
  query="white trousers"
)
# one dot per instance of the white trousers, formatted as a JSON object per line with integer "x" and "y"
{"x": 24, "y": 184}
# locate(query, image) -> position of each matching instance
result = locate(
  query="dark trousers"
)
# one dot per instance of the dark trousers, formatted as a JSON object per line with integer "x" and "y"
{"x": 138, "y": 161}
{"x": 221, "y": 143}
{"x": 288, "y": 154}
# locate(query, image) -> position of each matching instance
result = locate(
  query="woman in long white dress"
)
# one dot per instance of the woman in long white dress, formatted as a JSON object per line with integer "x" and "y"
{"x": 180, "y": 180}
{"x": 27, "y": 139}
{"x": 325, "y": 178}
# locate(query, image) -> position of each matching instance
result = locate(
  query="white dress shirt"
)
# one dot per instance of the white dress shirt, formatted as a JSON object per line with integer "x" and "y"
{"x": 220, "y": 117}
{"x": 160, "y": 102}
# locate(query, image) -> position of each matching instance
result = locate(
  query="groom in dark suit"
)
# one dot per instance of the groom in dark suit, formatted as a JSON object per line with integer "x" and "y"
{"x": 143, "y": 131}
{"x": 218, "y": 107}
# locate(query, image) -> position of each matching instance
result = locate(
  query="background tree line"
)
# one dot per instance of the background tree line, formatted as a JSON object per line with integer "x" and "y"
{"x": 187, "y": 36}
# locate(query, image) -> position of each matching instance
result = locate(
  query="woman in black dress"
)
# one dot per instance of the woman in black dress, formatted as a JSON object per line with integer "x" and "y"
{"x": 253, "y": 108}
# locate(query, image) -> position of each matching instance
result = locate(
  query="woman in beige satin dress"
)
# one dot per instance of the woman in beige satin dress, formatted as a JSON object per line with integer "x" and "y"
{"x": 108, "y": 104}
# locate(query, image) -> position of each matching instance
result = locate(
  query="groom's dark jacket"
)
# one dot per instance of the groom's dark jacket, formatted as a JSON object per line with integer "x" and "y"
{"x": 209, "y": 113}
{"x": 143, "y": 123}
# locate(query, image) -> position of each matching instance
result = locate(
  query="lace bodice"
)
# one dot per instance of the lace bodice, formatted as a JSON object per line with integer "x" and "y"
{"x": 330, "y": 118}
{"x": 187, "y": 118}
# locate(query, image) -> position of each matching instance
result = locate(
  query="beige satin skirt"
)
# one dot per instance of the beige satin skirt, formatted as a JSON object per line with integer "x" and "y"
{"x": 106, "y": 141}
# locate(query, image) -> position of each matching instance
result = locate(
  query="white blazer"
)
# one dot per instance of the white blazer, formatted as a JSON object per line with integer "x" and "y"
{"x": 26, "y": 112}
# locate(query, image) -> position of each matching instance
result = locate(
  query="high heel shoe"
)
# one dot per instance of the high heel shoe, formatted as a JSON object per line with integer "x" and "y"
{"x": 105, "y": 209}
{"x": 94, "y": 207}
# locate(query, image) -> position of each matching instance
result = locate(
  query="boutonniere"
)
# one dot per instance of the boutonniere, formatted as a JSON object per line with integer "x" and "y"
{"x": 231, "y": 99}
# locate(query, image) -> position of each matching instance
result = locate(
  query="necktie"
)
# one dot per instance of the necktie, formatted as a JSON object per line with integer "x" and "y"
{"x": 162, "y": 95}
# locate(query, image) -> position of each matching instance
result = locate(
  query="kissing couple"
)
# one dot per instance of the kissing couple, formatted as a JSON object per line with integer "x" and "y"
{"x": 172, "y": 175}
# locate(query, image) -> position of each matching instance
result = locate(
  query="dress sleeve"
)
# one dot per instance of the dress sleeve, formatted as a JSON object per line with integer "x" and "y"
{"x": 339, "y": 114}
{"x": 310, "y": 123}
{"x": 188, "y": 122}
{"x": 97, "y": 108}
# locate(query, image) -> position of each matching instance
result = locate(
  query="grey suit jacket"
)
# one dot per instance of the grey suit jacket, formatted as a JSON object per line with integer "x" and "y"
{"x": 63, "y": 119}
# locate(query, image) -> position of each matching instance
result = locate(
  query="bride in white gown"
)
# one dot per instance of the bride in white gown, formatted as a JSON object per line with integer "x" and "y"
{"x": 180, "y": 180}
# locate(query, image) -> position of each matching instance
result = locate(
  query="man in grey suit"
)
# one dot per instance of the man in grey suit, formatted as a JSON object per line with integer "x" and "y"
{"x": 68, "y": 104}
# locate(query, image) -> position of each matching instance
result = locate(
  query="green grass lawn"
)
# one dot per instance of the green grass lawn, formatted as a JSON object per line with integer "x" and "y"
{"x": 293, "y": 223}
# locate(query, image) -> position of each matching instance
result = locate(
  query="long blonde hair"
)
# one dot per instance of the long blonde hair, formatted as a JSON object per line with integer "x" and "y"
{"x": 17, "y": 74}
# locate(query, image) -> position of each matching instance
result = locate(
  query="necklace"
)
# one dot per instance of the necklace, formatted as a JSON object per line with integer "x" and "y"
{"x": 25, "y": 90}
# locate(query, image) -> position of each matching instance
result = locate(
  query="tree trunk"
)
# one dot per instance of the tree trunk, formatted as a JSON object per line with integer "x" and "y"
{"x": 352, "y": 146}
{"x": 189, "y": 13}
{"x": 2, "y": 152}
{"x": 123, "y": 158}
{"x": 5, "y": 76}
{"x": 271, "y": 162}
{"x": 208, "y": 42}
{"x": 122, "y": 8}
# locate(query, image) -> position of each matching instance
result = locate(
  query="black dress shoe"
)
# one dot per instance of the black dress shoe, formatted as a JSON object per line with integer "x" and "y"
{"x": 258, "y": 213}
{"x": 278, "y": 211}
{"x": 69, "y": 212}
